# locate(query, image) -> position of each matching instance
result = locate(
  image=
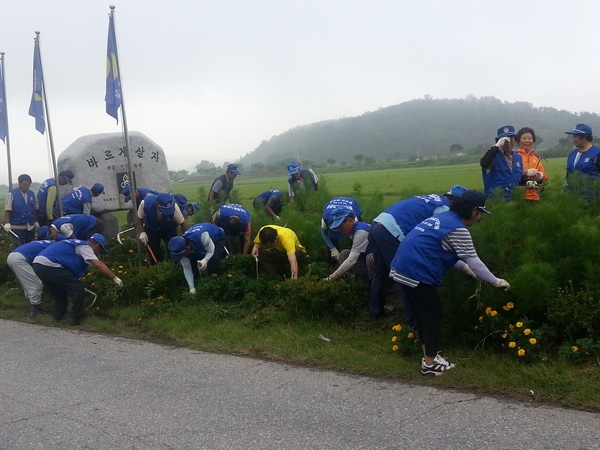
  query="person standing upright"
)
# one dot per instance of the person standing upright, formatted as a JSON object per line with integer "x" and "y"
{"x": 501, "y": 167}
{"x": 20, "y": 206}
{"x": 533, "y": 169}
{"x": 223, "y": 185}
{"x": 300, "y": 179}
{"x": 584, "y": 159}
{"x": 48, "y": 196}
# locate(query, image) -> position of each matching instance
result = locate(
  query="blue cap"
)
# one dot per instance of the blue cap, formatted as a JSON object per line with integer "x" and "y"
{"x": 506, "y": 131}
{"x": 176, "y": 247}
{"x": 233, "y": 168}
{"x": 43, "y": 233}
{"x": 100, "y": 240}
{"x": 166, "y": 204}
{"x": 293, "y": 167}
{"x": 97, "y": 189}
{"x": 127, "y": 193}
{"x": 196, "y": 207}
{"x": 581, "y": 128}
{"x": 457, "y": 190}
{"x": 181, "y": 200}
{"x": 337, "y": 216}
{"x": 475, "y": 199}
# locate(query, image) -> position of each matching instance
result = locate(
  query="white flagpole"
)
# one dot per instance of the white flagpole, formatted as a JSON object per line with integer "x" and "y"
{"x": 7, "y": 137}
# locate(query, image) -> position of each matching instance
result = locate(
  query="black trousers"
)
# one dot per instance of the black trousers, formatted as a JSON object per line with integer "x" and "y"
{"x": 154, "y": 238}
{"x": 62, "y": 284}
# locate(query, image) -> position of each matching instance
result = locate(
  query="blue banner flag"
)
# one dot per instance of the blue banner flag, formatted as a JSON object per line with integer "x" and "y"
{"x": 2, "y": 106}
{"x": 113, "y": 79}
{"x": 36, "y": 107}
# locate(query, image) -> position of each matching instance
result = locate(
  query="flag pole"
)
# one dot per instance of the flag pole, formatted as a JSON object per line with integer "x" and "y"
{"x": 47, "y": 115}
{"x": 4, "y": 110}
{"x": 114, "y": 70}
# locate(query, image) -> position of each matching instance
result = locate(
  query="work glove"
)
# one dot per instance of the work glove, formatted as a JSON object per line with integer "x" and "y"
{"x": 531, "y": 172}
{"x": 143, "y": 238}
{"x": 202, "y": 264}
{"x": 118, "y": 281}
{"x": 532, "y": 185}
{"x": 503, "y": 142}
{"x": 335, "y": 254}
{"x": 36, "y": 225}
{"x": 7, "y": 227}
{"x": 193, "y": 291}
{"x": 277, "y": 218}
{"x": 502, "y": 284}
{"x": 469, "y": 272}
{"x": 539, "y": 176}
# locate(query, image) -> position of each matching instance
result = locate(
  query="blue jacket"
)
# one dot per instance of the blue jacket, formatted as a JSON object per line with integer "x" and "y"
{"x": 82, "y": 224}
{"x": 22, "y": 213}
{"x": 63, "y": 253}
{"x": 73, "y": 203}
{"x": 31, "y": 249}
{"x": 421, "y": 256}
{"x": 502, "y": 177}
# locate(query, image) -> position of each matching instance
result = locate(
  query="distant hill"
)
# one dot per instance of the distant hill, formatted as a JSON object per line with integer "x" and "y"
{"x": 416, "y": 129}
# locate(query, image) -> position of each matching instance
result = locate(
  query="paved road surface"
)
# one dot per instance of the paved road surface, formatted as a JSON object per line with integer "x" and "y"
{"x": 62, "y": 389}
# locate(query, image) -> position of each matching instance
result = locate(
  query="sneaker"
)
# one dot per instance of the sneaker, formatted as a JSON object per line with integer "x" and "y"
{"x": 437, "y": 367}
{"x": 34, "y": 311}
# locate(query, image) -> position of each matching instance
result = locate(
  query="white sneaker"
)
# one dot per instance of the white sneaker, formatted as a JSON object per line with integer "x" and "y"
{"x": 439, "y": 359}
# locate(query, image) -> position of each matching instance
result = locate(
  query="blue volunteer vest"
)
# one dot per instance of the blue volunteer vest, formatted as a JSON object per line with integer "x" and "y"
{"x": 63, "y": 253}
{"x": 349, "y": 203}
{"x": 32, "y": 249}
{"x": 194, "y": 234}
{"x": 421, "y": 256}
{"x": 42, "y": 195}
{"x": 586, "y": 163}
{"x": 412, "y": 211}
{"x": 227, "y": 188}
{"x": 152, "y": 222}
{"x": 73, "y": 203}
{"x": 22, "y": 213}
{"x": 82, "y": 224}
{"x": 233, "y": 209}
{"x": 502, "y": 177}
{"x": 306, "y": 176}
{"x": 264, "y": 197}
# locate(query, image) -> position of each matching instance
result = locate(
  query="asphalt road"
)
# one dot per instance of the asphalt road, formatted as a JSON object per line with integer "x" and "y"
{"x": 64, "y": 389}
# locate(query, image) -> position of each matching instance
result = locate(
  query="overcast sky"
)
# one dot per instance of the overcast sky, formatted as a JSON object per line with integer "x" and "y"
{"x": 211, "y": 79}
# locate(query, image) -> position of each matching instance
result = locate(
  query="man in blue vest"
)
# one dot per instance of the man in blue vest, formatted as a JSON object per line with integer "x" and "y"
{"x": 330, "y": 237}
{"x": 342, "y": 219}
{"x": 76, "y": 226}
{"x": 48, "y": 196}
{"x": 80, "y": 200}
{"x": 300, "y": 179}
{"x": 235, "y": 221}
{"x": 222, "y": 186}
{"x": 583, "y": 160}
{"x": 158, "y": 217}
{"x": 200, "y": 247}
{"x": 140, "y": 193}
{"x": 270, "y": 202}
{"x": 387, "y": 232}
{"x": 60, "y": 267}
{"x": 502, "y": 169}
{"x": 19, "y": 212}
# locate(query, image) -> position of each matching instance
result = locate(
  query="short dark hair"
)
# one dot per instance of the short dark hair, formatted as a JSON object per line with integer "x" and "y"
{"x": 267, "y": 235}
{"x": 525, "y": 130}
{"x": 459, "y": 206}
{"x": 23, "y": 177}
{"x": 234, "y": 225}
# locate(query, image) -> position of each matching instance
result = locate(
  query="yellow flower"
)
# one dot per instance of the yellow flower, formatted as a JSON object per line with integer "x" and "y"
{"x": 410, "y": 335}
{"x": 394, "y": 339}
{"x": 511, "y": 327}
{"x": 512, "y": 344}
{"x": 494, "y": 313}
{"x": 397, "y": 328}
{"x": 545, "y": 358}
{"x": 120, "y": 267}
{"x": 526, "y": 331}
{"x": 395, "y": 348}
{"x": 488, "y": 310}
{"x": 481, "y": 318}
{"x": 229, "y": 275}
{"x": 97, "y": 308}
{"x": 533, "y": 341}
{"x": 519, "y": 324}
{"x": 151, "y": 303}
{"x": 521, "y": 352}
{"x": 504, "y": 335}
{"x": 575, "y": 349}
{"x": 130, "y": 251}
{"x": 508, "y": 306}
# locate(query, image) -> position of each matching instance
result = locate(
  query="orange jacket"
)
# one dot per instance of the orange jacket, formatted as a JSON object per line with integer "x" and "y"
{"x": 532, "y": 161}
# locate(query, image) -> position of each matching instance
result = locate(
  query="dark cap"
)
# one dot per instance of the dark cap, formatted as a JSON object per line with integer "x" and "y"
{"x": 166, "y": 204}
{"x": 337, "y": 216}
{"x": 475, "y": 199}
{"x": 97, "y": 189}
{"x": 68, "y": 174}
{"x": 176, "y": 247}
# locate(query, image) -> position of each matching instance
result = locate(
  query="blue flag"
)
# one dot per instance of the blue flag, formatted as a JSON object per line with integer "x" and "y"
{"x": 2, "y": 106}
{"x": 113, "y": 80}
{"x": 36, "y": 107}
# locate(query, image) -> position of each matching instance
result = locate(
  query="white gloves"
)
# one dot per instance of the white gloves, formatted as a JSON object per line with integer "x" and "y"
{"x": 7, "y": 227}
{"x": 277, "y": 218}
{"x": 469, "y": 272}
{"x": 202, "y": 264}
{"x": 193, "y": 291}
{"x": 538, "y": 177}
{"x": 118, "y": 281}
{"x": 503, "y": 142}
{"x": 535, "y": 175}
{"x": 144, "y": 238}
{"x": 532, "y": 185}
{"x": 502, "y": 284}
{"x": 531, "y": 172}
{"x": 335, "y": 254}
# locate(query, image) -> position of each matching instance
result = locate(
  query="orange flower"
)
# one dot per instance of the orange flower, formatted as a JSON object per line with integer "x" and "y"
{"x": 151, "y": 303}
{"x": 229, "y": 275}
{"x": 160, "y": 297}
{"x": 139, "y": 319}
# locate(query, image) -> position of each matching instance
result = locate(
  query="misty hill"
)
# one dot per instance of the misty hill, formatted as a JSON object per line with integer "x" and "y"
{"x": 416, "y": 129}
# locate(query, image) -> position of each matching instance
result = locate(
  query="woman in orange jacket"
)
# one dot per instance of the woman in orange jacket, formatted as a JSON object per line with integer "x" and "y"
{"x": 533, "y": 170}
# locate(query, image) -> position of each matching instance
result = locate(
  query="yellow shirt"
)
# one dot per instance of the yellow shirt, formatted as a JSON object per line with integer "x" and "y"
{"x": 288, "y": 241}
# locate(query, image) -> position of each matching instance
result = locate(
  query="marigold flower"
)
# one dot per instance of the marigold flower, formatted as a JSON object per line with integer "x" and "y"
{"x": 575, "y": 349}
{"x": 508, "y": 306}
{"x": 160, "y": 297}
{"x": 481, "y": 318}
{"x": 519, "y": 324}
{"x": 120, "y": 267}
{"x": 526, "y": 331}
{"x": 139, "y": 319}
{"x": 544, "y": 358}
{"x": 395, "y": 348}
{"x": 397, "y": 328}
{"x": 533, "y": 341}
{"x": 521, "y": 352}
{"x": 504, "y": 335}
{"x": 394, "y": 338}
{"x": 229, "y": 275}
{"x": 511, "y": 327}
{"x": 494, "y": 313}
{"x": 130, "y": 251}
{"x": 488, "y": 310}
{"x": 151, "y": 303}
{"x": 512, "y": 344}
{"x": 410, "y": 335}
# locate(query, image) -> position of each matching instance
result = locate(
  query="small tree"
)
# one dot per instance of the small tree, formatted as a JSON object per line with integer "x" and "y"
{"x": 331, "y": 161}
{"x": 359, "y": 157}
{"x": 456, "y": 148}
